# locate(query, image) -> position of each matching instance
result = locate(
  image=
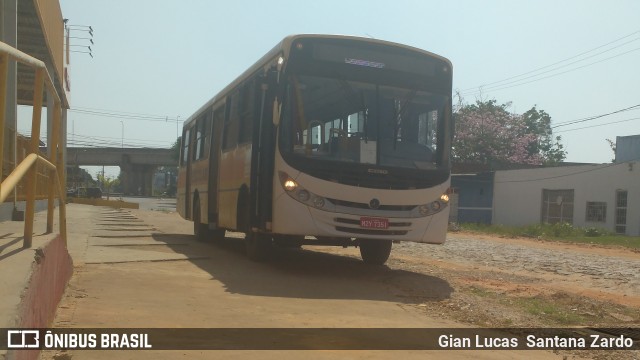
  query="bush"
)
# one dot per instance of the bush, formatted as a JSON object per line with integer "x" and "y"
{"x": 563, "y": 230}
{"x": 534, "y": 231}
{"x": 594, "y": 232}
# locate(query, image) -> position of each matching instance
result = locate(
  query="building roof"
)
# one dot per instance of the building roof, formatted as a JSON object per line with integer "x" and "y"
{"x": 40, "y": 33}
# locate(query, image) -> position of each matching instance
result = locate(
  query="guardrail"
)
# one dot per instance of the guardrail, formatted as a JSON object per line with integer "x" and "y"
{"x": 27, "y": 168}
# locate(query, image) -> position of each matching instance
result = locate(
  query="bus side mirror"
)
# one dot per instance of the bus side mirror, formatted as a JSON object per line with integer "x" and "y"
{"x": 273, "y": 82}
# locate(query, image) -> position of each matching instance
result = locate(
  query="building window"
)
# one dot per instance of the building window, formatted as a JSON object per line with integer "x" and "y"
{"x": 557, "y": 206}
{"x": 621, "y": 211}
{"x": 596, "y": 211}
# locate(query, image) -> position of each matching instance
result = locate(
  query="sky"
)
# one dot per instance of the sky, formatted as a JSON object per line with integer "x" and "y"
{"x": 155, "y": 62}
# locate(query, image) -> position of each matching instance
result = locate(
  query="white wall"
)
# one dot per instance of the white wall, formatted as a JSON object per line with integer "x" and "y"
{"x": 517, "y": 198}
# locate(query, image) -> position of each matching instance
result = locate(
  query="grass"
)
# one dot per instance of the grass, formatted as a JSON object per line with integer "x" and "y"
{"x": 558, "y": 309}
{"x": 553, "y": 312}
{"x": 557, "y": 232}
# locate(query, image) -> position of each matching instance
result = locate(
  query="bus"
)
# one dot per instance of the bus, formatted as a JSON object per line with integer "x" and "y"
{"x": 326, "y": 140}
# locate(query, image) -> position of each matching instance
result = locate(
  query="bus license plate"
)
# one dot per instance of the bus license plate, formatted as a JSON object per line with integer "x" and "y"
{"x": 374, "y": 223}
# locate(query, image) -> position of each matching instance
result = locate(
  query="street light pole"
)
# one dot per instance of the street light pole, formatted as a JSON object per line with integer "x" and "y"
{"x": 122, "y": 144}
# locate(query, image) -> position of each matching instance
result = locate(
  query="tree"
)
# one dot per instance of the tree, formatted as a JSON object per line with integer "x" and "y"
{"x": 108, "y": 182}
{"x": 612, "y": 145}
{"x": 175, "y": 148}
{"x": 538, "y": 122}
{"x": 487, "y": 132}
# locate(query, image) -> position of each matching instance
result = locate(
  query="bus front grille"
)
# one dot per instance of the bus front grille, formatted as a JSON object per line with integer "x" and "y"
{"x": 371, "y": 231}
{"x": 357, "y": 205}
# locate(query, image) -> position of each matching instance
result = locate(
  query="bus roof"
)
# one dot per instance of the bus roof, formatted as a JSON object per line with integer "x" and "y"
{"x": 283, "y": 48}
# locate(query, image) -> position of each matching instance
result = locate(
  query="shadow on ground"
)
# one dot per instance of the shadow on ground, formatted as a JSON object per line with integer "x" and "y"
{"x": 302, "y": 273}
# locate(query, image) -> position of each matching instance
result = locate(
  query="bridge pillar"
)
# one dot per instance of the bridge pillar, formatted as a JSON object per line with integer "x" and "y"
{"x": 137, "y": 179}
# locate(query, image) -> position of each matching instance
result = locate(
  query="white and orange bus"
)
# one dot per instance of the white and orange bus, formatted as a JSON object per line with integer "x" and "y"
{"x": 326, "y": 140}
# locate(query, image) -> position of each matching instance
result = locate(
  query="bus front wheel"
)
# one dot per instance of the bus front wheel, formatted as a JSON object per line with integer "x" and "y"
{"x": 375, "y": 252}
{"x": 258, "y": 246}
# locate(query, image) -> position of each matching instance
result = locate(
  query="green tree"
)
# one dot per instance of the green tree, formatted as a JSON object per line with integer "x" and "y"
{"x": 538, "y": 122}
{"x": 176, "y": 148}
{"x": 107, "y": 183}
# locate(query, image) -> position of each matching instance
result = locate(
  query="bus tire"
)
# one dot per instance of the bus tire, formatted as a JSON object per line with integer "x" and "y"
{"x": 200, "y": 230}
{"x": 243, "y": 222}
{"x": 375, "y": 252}
{"x": 288, "y": 241}
{"x": 258, "y": 246}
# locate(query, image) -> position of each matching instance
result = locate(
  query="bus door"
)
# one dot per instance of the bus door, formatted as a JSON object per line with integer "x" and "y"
{"x": 186, "y": 160}
{"x": 264, "y": 153}
{"x": 214, "y": 162}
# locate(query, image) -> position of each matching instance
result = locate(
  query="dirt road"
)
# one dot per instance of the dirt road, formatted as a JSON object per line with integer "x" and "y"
{"x": 143, "y": 269}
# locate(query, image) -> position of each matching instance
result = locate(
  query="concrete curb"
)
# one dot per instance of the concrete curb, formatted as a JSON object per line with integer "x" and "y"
{"x": 101, "y": 202}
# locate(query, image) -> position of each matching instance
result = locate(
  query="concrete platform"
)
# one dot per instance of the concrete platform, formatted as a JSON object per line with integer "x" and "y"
{"x": 32, "y": 280}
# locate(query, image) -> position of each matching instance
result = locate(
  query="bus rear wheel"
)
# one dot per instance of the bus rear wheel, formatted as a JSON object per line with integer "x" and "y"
{"x": 375, "y": 252}
{"x": 258, "y": 246}
{"x": 200, "y": 230}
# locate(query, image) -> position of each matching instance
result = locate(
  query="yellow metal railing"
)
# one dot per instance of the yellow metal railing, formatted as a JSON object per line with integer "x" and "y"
{"x": 27, "y": 169}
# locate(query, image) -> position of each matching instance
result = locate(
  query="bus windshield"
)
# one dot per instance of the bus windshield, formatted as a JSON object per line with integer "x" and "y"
{"x": 336, "y": 119}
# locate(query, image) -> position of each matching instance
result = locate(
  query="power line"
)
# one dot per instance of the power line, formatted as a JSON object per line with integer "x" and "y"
{"x": 103, "y": 141}
{"x": 125, "y": 115}
{"x": 120, "y": 138}
{"x": 571, "y": 122}
{"x": 561, "y": 61}
{"x": 550, "y": 76}
{"x": 505, "y": 83}
{"x": 598, "y": 125}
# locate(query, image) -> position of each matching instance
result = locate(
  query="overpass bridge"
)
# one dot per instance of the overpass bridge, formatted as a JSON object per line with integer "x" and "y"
{"x": 137, "y": 164}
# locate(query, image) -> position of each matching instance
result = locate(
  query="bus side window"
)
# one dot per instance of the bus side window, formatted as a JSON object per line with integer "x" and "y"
{"x": 206, "y": 134}
{"x": 246, "y": 111}
{"x": 185, "y": 146}
{"x": 202, "y": 126}
{"x": 198, "y": 138}
{"x": 231, "y": 126}
{"x": 218, "y": 117}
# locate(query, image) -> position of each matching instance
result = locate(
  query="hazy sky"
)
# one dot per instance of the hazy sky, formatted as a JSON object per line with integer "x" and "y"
{"x": 163, "y": 59}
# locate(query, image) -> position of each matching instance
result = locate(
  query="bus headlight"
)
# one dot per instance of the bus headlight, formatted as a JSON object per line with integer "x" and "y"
{"x": 303, "y": 195}
{"x": 287, "y": 182}
{"x": 290, "y": 185}
{"x": 299, "y": 193}
{"x": 318, "y": 202}
{"x": 433, "y": 207}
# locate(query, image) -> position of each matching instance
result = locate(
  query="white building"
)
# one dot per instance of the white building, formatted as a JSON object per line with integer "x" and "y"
{"x": 604, "y": 196}
{"x": 627, "y": 148}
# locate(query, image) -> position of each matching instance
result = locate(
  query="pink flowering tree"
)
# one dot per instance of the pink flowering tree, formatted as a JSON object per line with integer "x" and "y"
{"x": 487, "y": 132}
